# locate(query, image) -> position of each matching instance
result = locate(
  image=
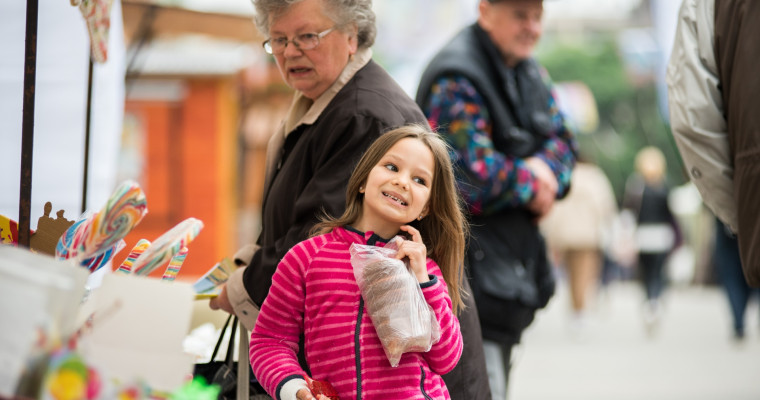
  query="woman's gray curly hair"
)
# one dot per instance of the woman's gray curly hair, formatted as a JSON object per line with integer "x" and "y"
{"x": 342, "y": 12}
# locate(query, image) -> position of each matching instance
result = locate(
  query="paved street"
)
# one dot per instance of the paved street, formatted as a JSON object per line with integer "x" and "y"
{"x": 692, "y": 355}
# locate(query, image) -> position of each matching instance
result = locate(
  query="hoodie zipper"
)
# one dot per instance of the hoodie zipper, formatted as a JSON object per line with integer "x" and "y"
{"x": 422, "y": 384}
{"x": 357, "y": 349}
{"x": 372, "y": 240}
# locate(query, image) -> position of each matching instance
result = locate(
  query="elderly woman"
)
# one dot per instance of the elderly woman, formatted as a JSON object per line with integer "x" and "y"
{"x": 343, "y": 102}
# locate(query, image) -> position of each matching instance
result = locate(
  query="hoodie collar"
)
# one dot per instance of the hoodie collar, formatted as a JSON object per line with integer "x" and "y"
{"x": 354, "y": 235}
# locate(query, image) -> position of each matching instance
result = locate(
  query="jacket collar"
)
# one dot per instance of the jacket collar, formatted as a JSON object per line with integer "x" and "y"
{"x": 304, "y": 111}
{"x": 353, "y": 235}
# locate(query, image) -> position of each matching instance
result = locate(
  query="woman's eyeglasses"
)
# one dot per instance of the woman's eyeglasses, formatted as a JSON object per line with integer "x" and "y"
{"x": 304, "y": 41}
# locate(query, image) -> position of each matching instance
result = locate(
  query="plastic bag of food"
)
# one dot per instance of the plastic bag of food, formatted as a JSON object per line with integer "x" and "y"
{"x": 404, "y": 321}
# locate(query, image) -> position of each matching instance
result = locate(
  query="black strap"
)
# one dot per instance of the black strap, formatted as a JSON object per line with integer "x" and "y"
{"x": 230, "y": 344}
{"x": 221, "y": 336}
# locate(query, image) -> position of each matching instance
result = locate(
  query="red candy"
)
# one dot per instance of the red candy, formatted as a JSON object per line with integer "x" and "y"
{"x": 322, "y": 387}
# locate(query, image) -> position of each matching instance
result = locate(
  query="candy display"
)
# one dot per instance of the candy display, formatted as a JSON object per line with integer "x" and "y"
{"x": 70, "y": 376}
{"x": 73, "y": 366}
{"x": 167, "y": 246}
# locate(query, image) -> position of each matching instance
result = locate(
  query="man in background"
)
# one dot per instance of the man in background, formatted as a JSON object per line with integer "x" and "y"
{"x": 486, "y": 95}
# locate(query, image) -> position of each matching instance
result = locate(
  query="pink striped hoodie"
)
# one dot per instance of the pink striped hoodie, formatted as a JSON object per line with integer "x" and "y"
{"x": 314, "y": 292}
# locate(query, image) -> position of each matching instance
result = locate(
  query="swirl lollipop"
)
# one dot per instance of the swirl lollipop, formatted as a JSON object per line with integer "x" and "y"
{"x": 126, "y": 266}
{"x": 167, "y": 245}
{"x": 99, "y": 232}
{"x": 95, "y": 263}
{"x": 74, "y": 234}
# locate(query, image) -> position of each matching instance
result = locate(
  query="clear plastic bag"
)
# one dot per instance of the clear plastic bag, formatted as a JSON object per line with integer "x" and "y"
{"x": 404, "y": 321}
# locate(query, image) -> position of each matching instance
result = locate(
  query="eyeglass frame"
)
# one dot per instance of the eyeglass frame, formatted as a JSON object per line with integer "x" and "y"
{"x": 317, "y": 36}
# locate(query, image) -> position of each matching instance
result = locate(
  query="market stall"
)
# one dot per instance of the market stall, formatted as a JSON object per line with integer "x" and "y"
{"x": 63, "y": 330}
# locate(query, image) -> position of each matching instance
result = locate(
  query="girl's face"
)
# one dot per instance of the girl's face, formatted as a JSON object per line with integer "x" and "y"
{"x": 397, "y": 189}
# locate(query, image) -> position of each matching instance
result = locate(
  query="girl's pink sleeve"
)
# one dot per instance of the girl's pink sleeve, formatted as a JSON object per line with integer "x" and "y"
{"x": 444, "y": 355}
{"x": 274, "y": 341}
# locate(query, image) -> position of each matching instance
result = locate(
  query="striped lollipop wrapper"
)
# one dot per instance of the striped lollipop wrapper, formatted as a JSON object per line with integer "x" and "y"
{"x": 174, "y": 265}
{"x": 96, "y": 233}
{"x": 214, "y": 277}
{"x": 167, "y": 246}
{"x": 126, "y": 266}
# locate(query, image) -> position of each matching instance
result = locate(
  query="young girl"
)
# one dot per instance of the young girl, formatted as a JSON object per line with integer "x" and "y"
{"x": 403, "y": 184}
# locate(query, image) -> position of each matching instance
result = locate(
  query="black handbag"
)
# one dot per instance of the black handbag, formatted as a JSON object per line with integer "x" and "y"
{"x": 224, "y": 373}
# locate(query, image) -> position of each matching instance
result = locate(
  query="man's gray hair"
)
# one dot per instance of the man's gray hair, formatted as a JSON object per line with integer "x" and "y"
{"x": 342, "y": 12}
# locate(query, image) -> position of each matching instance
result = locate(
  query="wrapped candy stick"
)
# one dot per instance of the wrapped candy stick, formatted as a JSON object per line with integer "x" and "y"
{"x": 214, "y": 277}
{"x": 97, "y": 15}
{"x": 126, "y": 266}
{"x": 167, "y": 245}
{"x": 174, "y": 265}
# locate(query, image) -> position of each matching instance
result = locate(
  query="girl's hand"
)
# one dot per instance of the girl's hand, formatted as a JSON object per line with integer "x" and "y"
{"x": 305, "y": 394}
{"x": 416, "y": 251}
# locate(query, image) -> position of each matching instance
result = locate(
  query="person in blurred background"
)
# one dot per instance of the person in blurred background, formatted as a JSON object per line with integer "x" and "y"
{"x": 491, "y": 101}
{"x": 343, "y": 101}
{"x": 729, "y": 268}
{"x": 577, "y": 231}
{"x": 657, "y": 232}
{"x": 712, "y": 91}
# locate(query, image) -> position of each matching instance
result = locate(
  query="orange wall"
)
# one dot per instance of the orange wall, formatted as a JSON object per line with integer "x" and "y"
{"x": 190, "y": 171}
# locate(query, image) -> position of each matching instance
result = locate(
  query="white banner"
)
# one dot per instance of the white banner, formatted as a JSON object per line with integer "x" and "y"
{"x": 60, "y": 108}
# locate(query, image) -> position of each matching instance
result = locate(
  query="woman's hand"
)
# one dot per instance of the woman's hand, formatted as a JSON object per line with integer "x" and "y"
{"x": 221, "y": 302}
{"x": 416, "y": 251}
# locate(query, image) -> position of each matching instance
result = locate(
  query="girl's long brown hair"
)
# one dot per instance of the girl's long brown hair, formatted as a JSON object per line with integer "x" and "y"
{"x": 443, "y": 230}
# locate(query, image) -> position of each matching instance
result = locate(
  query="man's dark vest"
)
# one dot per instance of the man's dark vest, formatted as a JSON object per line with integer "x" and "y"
{"x": 519, "y": 110}
{"x": 506, "y": 255}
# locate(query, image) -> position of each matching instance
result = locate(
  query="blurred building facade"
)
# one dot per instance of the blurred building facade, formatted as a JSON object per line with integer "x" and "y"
{"x": 200, "y": 98}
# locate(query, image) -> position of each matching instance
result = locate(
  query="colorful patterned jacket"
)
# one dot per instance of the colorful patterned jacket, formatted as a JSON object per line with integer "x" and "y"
{"x": 483, "y": 110}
